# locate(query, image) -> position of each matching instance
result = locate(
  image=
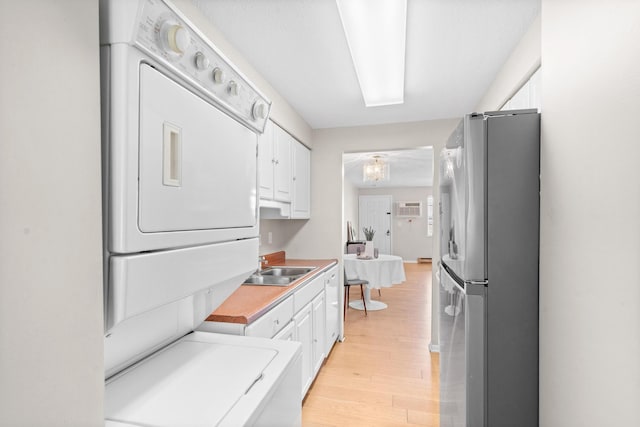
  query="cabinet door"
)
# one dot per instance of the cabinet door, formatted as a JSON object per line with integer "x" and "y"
{"x": 266, "y": 161}
{"x": 301, "y": 191}
{"x": 334, "y": 312}
{"x": 319, "y": 331}
{"x": 304, "y": 334}
{"x": 282, "y": 168}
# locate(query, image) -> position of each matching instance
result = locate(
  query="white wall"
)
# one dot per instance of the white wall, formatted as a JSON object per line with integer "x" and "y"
{"x": 590, "y": 214}
{"x": 409, "y": 238}
{"x": 521, "y": 64}
{"x": 282, "y": 232}
{"x": 51, "y": 328}
{"x": 350, "y": 206}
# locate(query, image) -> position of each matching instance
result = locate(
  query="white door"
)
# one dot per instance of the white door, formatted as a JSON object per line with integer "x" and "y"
{"x": 375, "y": 212}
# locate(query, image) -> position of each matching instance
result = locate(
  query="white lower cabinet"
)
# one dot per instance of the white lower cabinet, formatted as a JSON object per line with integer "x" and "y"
{"x": 310, "y": 316}
{"x": 319, "y": 330}
{"x": 304, "y": 334}
{"x": 308, "y": 304}
{"x": 273, "y": 321}
{"x": 333, "y": 308}
{"x": 310, "y": 331}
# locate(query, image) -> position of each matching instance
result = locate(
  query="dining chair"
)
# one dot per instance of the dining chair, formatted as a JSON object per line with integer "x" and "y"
{"x": 353, "y": 249}
{"x": 347, "y": 288}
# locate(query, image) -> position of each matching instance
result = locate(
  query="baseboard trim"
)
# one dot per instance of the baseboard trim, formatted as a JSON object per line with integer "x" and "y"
{"x": 434, "y": 348}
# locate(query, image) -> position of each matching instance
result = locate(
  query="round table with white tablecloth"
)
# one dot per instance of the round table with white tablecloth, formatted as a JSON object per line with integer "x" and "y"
{"x": 382, "y": 272}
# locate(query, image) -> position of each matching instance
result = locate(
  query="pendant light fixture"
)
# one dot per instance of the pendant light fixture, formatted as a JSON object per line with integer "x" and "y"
{"x": 375, "y": 170}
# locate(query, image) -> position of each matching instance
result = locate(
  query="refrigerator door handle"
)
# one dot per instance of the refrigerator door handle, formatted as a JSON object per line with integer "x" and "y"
{"x": 474, "y": 287}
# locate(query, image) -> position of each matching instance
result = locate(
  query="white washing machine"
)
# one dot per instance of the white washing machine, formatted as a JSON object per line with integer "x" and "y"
{"x": 180, "y": 132}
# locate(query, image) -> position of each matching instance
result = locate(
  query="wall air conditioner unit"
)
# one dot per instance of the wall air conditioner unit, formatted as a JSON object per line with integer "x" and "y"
{"x": 408, "y": 209}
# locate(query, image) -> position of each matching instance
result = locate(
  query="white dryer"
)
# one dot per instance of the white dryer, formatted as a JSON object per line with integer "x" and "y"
{"x": 180, "y": 131}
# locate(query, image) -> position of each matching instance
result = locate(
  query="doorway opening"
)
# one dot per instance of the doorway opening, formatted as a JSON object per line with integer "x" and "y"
{"x": 407, "y": 181}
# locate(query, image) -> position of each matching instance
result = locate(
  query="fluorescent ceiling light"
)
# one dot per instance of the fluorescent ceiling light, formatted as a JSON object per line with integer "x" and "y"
{"x": 376, "y": 33}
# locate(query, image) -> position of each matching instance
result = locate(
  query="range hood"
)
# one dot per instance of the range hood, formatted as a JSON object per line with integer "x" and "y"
{"x": 271, "y": 209}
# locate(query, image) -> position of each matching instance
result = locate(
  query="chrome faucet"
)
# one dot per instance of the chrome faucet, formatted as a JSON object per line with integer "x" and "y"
{"x": 261, "y": 260}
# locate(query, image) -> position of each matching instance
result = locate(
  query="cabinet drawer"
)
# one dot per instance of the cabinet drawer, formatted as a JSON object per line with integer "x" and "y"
{"x": 274, "y": 320}
{"x": 304, "y": 296}
{"x": 287, "y": 333}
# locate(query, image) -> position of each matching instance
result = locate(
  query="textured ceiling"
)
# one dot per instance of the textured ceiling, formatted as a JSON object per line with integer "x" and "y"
{"x": 454, "y": 50}
{"x": 407, "y": 168}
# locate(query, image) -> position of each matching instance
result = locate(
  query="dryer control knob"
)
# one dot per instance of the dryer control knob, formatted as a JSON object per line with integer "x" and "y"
{"x": 233, "y": 88}
{"x": 259, "y": 110}
{"x": 202, "y": 62}
{"x": 175, "y": 37}
{"x": 217, "y": 75}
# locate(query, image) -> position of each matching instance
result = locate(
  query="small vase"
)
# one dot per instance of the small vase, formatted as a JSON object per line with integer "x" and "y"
{"x": 368, "y": 249}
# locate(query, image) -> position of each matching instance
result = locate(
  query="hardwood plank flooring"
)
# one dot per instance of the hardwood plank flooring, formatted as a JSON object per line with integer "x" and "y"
{"x": 383, "y": 373}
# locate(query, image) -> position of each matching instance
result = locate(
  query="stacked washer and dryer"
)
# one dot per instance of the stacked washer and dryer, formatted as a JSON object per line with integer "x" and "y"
{"x": 180, "y": 131}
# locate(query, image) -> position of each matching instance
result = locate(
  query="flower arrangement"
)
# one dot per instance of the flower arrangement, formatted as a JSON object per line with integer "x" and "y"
{"x": 368, "y": 233}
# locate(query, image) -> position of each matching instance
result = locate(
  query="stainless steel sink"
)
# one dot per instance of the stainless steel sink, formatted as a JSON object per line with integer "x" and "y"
{"x": 286, "y": 271}
{"x": 277, "y": 276}
{"x": 268, "y": 280}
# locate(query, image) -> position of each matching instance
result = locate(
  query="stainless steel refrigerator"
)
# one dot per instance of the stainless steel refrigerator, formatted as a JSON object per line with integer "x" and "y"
{"x": 489, "y": 234}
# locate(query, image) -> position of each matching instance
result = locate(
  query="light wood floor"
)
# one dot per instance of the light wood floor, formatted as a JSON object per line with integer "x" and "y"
{"x": 383, "y": 373}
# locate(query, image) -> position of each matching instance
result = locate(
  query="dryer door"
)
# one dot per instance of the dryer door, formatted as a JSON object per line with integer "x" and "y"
{"x": 197, "y": 166}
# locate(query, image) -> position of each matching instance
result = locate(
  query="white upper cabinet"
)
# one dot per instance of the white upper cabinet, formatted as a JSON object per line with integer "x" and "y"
{"x": 274, "y": 157}
{"x": 282, "y": 179}
{"x": 301, "y": 193}
{"x": 284, "y": 174}
{"x": 266, "y": 161}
